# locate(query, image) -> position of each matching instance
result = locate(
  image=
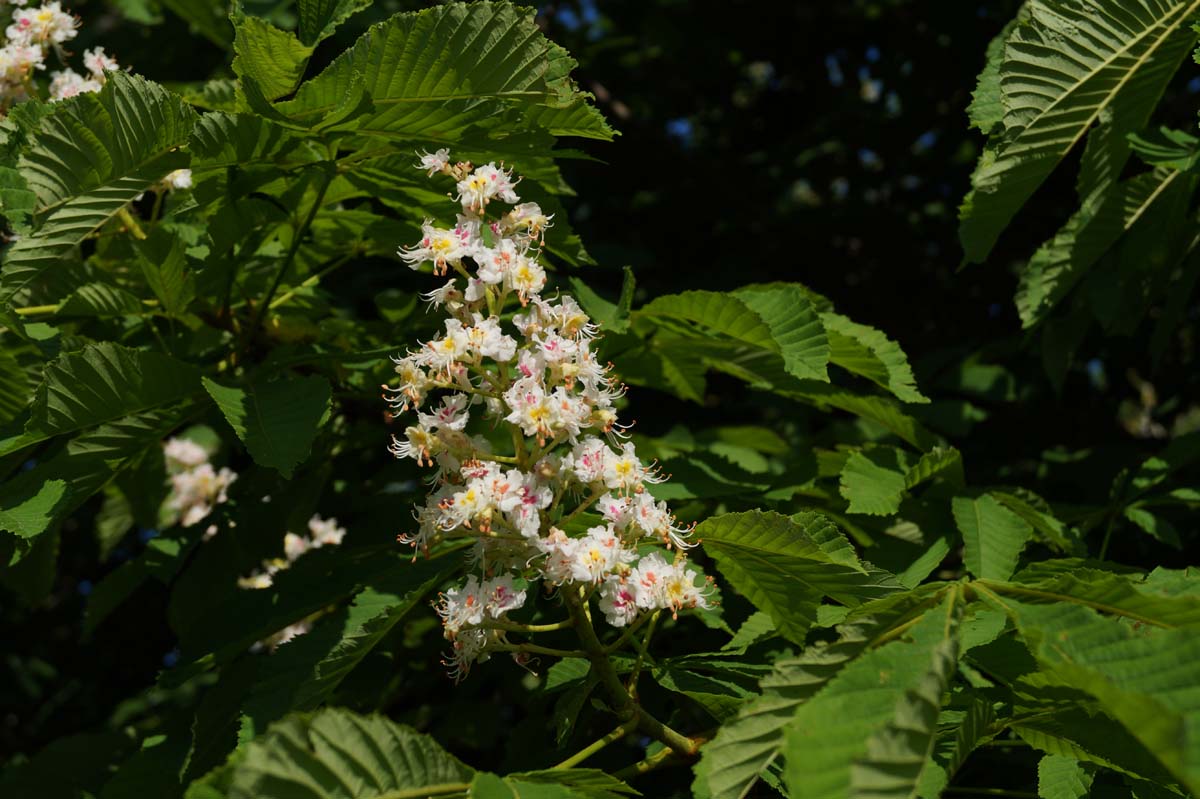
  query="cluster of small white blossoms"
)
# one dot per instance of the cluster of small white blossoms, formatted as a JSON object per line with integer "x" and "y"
{"x": 33, "y": 34}
{"x": 196, "y": 487}
{"x": 321, "y": 533}
{"x": 534, "y": 372}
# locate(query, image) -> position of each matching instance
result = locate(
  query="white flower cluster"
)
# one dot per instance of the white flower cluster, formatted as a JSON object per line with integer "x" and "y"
{"x": 34, "y": 32}
{"x": 533, "y": 371}
{"x": 321, "y": 533}
{"x": 196, "y": 487}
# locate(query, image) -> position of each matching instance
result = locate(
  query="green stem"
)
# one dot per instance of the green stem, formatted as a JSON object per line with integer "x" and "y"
{"x": 534, "y": 649}
{"x": 297, "y": 238}
{"x": 654, "y": 761}
{"x": 1108, "y": 531}
{"x": 625, "y": 706}
{"x": 587, "y": 503}
{"x": 517, "y": 627}
{"x": 440, "y": 789}
{"x": 641, "y": 658}
{"x": 311, "y": 280}
{"x": 131, "y": 223}
{"x": 594, "y": 747}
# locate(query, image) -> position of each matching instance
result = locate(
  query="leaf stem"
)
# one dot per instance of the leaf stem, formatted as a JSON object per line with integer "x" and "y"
{"x": 311, "y": 280}
{"x": 595, "y": 746}
{"x": 657, "y": 760}
{"x": 294, "y": 248}
{"x": 440, "y": 789}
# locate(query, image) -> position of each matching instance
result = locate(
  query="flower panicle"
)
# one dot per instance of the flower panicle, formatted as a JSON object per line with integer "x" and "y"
{"x": 535, "y": 372}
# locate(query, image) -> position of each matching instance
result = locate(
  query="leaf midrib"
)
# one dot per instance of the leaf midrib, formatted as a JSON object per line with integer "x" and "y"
{"x": 1168, "y": 30}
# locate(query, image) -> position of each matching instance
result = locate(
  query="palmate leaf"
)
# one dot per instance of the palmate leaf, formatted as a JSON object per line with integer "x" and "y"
{"x": 433, "y": 74}
{"x": 744, "y": 748}
{"x": 276, "y": 420}
{"x": 102, "y": 383}
{"x": 866, "y": 736}
{"x": 1075, "y": 62}
{"x": 780, "y": 566}
{"x": 90, "y": 156}
{"x": 1145, "y": 681}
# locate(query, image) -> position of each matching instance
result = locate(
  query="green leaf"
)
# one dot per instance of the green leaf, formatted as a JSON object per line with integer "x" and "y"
{"x": 1061, "y": 262}
{"x": 873, "y": 481}
{"x": 1061, "y": 777}
{"x": 306, "y": 672}
{"x": 1146, "y": 682}
{"x": 776, "y": 563}
{"x": 209, "y": 18}
{"x": 273, "y": 59}
{"x": 1070, "y": 65}
{"x": 986, "y": 109}
{"x": 870, "y": 731}
{"x": 336, "y": 754}
{"x": 102, "y": 383}
{"x": 277, "y": 421}
{"x": 1107, "y": 592}
{"x": 867, "y": 352}
{"x": 100, "y": 300}
{"x": 1156, "y": 526}
{"x": 162, "y": 258}
{"x": 798, "y": 331}
{"x": 744, "y": 748}
{"x": 45, "y": 495}
{"x": 15, "y": 388}
{"x": 992, "y": 534}
{"x": 90, "y": 157}
{"x": 319, "y": 18}
{"x": 898, "y": 755}
{"x": 433, "y": 75}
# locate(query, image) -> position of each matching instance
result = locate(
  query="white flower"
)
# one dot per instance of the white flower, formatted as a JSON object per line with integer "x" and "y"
{"x": 325, "y": 532}
{"x": 462, "y": 607}
{"x": 597, "y": 554}
{"x": 618, "y": 601}
{"x": 47, "y": 24}
{"x": 483, "y": 185}
{"x": 183, "y": 453}
{"x": 624, "y": 471}
{"x": 195, "y": 492}
{"x": 453, "y": 415}
{"x": 434, "y": 162}
{"x": 294, "y": 546}
{"x": 97, "y": 62}
{"x": 69, "y": 83}
{"x": 527, "y": 219}
{"x": 17, "y": 63}
{"x": 501, "y": 596}
{"x": 588, "y": 460}
{"x": 489, "y": 341}
{"x": 442, "y": 247}
{"x": 179, "y": 179}
{"x": 468, "y": 647}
